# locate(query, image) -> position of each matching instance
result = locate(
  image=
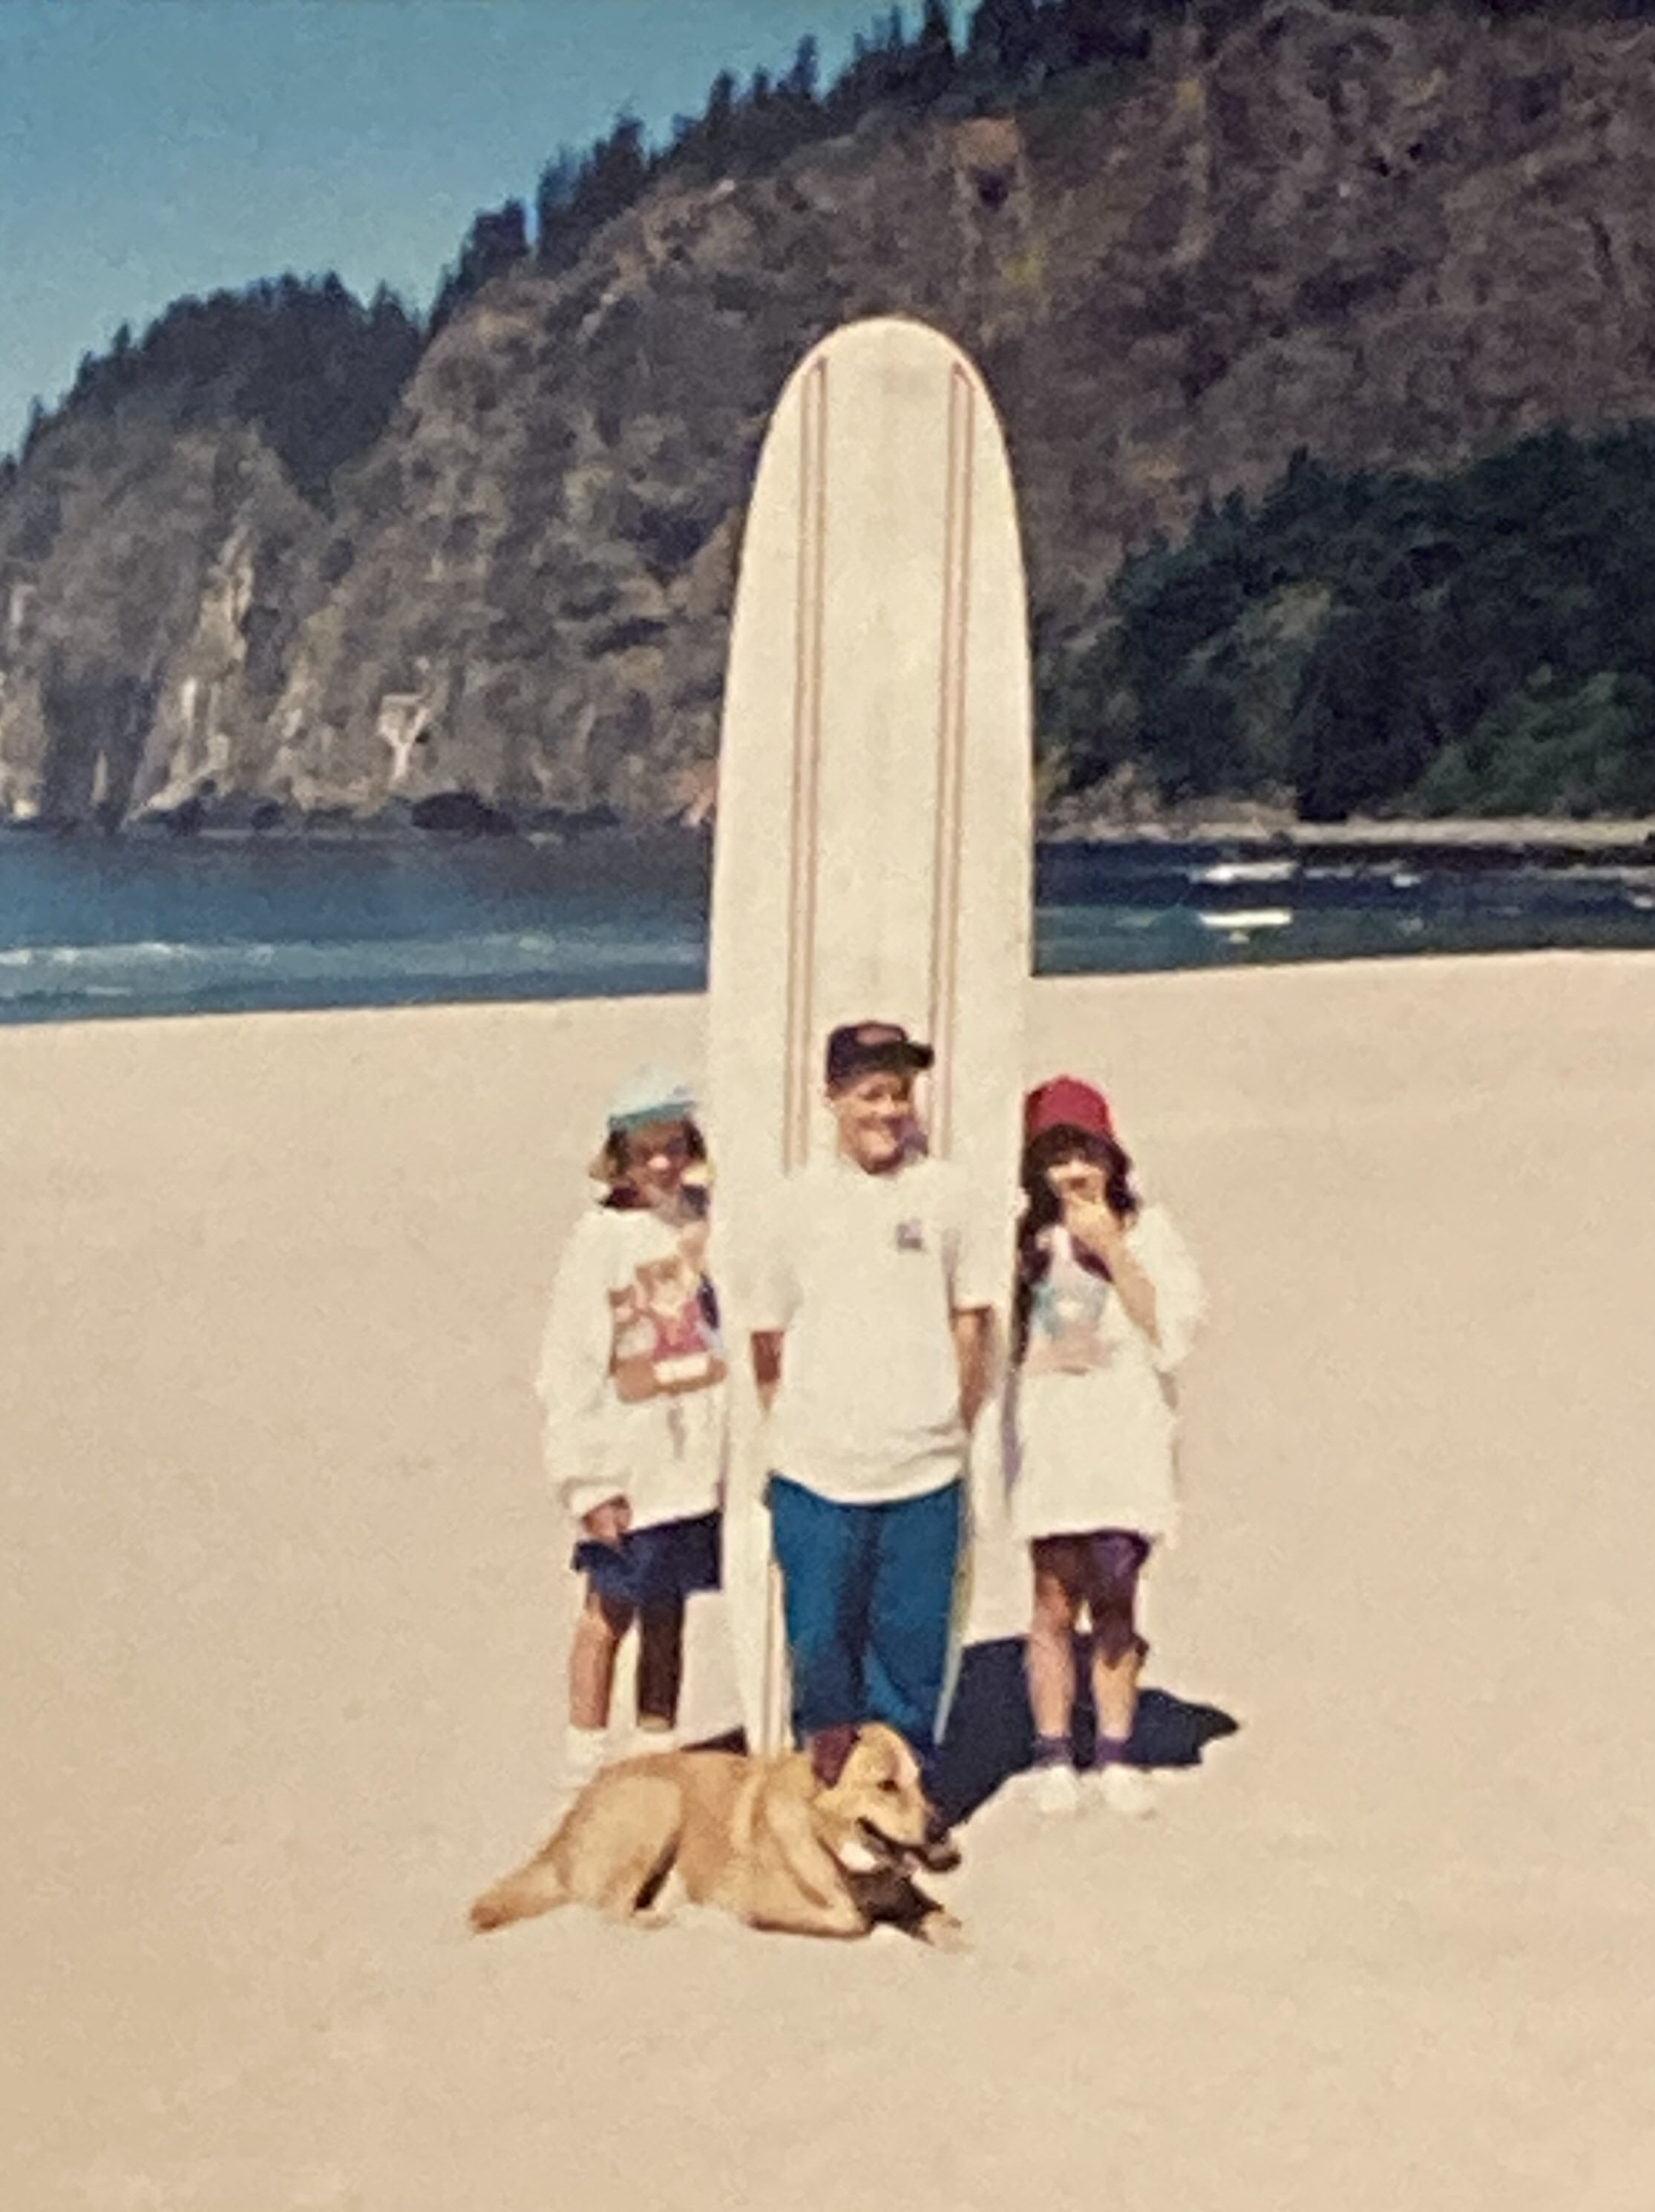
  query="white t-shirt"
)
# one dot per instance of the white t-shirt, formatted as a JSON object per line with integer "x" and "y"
{"x": 863, "y": 1274}
{"x": 1092, "y": 1421}
{"x": 632, "y": 1372}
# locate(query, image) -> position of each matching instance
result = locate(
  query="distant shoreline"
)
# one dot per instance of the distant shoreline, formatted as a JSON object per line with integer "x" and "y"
{"x": 1545, "y": 841}
{"x": 1270, "y": 830}
{"x": 1541, "y": 840}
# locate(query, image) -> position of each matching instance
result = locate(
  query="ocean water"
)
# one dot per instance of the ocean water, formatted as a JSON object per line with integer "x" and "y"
{"x": 94, "y": 928}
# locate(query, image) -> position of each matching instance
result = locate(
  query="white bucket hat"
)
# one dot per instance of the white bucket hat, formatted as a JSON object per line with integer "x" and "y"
{"x": 653, "y": 1094}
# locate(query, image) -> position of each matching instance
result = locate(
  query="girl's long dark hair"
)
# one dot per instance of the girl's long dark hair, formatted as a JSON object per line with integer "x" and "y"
{"x": 614, "y": 1166}
{"x": 1043, "y": 1210}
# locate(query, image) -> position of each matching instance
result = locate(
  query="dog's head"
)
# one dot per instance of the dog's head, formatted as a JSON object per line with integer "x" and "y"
{"x": 870, "y": 1804}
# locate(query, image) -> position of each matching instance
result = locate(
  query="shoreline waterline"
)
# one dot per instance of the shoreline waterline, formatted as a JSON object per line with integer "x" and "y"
{"x": 94, "y": 929}
{"x": 1058, "y": 825}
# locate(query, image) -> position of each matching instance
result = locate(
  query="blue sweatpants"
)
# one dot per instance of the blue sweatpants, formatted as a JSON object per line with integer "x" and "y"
{"x": 868, "y": 1593}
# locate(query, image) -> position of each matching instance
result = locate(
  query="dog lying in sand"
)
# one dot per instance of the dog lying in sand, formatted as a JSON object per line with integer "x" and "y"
{"x": 823, "y": 1842}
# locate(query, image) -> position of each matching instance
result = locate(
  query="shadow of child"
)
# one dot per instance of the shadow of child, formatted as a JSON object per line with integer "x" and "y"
{"x": 991, "y": 1729}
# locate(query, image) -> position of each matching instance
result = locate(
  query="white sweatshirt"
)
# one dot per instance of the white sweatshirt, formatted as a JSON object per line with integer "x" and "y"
{"x": 631, "y": 1375}
{"x": 1094, "y": 1425}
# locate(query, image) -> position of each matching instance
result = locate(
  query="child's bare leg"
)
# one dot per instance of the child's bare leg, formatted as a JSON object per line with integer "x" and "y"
{"x": 660, "y": 1666}
{"x": 1117, "y": 1652}
{"x": 597, "y": 1633}
{"x": 1125, "y": 1789}
{"x": 1052, "y": 1640}
{"x": 1114, "y": 1559}
{"x": 1115, "y": 1685}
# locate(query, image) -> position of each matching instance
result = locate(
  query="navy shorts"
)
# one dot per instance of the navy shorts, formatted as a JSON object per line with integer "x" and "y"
{"x": 655, "y": 1567}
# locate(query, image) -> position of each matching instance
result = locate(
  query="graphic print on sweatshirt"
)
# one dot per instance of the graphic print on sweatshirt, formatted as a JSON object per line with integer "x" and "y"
{"x": 666, "y": 1330}
{"x": 1066, "y": 1311}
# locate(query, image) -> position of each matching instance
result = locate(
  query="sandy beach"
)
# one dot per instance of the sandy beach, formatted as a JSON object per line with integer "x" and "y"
{"x": 287, "y": 1603}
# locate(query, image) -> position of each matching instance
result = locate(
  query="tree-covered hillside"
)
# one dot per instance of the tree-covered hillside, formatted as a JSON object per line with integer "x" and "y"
{"x": 1477, "y": 643}
{"x": 289, "y": 547}
{"x": 306, "y": 363}
{"x": 319, "y": 373}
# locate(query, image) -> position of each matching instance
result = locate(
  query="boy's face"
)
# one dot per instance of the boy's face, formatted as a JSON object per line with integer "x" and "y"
{"x": 874, "y": 1114}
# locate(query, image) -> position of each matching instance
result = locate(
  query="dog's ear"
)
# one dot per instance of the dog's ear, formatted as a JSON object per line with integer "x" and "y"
{"x": 829, "y": 1749}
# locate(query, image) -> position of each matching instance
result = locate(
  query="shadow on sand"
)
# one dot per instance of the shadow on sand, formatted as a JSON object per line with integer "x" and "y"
{"x": 991, "y": 1730}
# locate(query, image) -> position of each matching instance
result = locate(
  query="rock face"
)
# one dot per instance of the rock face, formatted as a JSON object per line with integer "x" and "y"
{"x": 1390, "y": 241}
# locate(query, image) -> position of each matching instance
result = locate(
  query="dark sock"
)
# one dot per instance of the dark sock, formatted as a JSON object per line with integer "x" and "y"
{"x": 1052, "y": 1751}
{"x": 1111, "y": 1751}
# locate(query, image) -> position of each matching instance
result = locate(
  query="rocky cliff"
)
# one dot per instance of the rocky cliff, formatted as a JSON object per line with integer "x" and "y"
{"x": 1383, "y": 238}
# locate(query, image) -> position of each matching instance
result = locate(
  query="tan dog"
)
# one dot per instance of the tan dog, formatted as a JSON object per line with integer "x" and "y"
{"x": 818, "y": 1843}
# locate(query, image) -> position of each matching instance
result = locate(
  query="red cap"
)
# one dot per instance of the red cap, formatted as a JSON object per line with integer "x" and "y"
{"x": 1066, "y": 1103}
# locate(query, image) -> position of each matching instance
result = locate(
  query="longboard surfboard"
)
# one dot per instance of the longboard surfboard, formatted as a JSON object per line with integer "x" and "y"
{"x": 873, "y": 849}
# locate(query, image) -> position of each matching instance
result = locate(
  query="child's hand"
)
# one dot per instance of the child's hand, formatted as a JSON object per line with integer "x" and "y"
{"x": 1098, "y": 1227}
{"x": 1076, "y": 1180}
{"x": 608, "y": 1523}
{"x": 1087, "y": 1212}
{"x": 693, "y": 1243}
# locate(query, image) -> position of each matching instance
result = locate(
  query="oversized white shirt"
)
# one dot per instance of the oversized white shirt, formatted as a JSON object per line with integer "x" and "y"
{"x": 631, "y": 1373}
{"x": 1094, "y": 1423}
{"x": 863, "y": 1274}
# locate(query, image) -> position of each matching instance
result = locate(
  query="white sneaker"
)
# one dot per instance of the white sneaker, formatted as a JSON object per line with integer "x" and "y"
{"x": 584, "y": 1751}
{"x": 1057, "y": 1791}
{"x": 1126, "y": 1791}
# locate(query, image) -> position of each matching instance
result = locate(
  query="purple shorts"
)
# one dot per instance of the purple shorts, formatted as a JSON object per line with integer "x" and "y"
{"x": 1101, "y": 1570}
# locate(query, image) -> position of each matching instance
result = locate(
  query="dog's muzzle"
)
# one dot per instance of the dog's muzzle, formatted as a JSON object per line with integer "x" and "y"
{"x": 935, "y": 1852}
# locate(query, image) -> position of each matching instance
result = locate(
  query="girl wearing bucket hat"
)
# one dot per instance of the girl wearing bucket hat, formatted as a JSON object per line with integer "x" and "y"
{"x": 1108, "y": 1301}
{"x": 631, "y": 1382}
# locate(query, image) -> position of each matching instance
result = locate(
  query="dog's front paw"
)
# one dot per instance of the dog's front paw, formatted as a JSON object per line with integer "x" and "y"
{"x": 943, "y": 1932}
{"x": 650, "y": 1916}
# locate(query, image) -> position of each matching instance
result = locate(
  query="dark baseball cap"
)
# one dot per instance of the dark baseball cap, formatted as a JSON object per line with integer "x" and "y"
{"x": 873, "y": 1049}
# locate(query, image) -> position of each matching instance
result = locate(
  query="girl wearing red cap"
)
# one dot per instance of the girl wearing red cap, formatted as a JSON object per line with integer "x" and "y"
{"x": 1108, "y": 1301}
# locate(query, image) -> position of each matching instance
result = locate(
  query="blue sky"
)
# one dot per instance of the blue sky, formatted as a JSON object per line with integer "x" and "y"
{"x": 151, "y": 149}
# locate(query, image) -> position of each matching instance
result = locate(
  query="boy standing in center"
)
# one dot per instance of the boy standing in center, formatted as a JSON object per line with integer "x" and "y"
{"x": 872, "y": 1346}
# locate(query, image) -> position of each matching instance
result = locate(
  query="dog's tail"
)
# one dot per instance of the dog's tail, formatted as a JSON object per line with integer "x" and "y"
{"x": 536, "y": 1887}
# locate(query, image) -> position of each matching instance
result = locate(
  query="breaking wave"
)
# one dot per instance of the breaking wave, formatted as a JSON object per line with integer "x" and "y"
{"x": 150, "y": 976}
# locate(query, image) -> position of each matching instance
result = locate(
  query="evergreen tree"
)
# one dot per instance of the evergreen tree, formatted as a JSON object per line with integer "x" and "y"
{"x": 498, "y": 241}
{"x": 932, "y": 63}
{"x": 613, "y": 174}
{"x": 557, "y": 230}
{"x": 711, "y": 143}
{"x": 1004, "y": 40}
{"x": 801, "y": 83}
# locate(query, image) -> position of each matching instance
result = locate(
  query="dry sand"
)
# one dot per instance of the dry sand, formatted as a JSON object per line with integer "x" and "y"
{"x": 286, "y": 1602}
